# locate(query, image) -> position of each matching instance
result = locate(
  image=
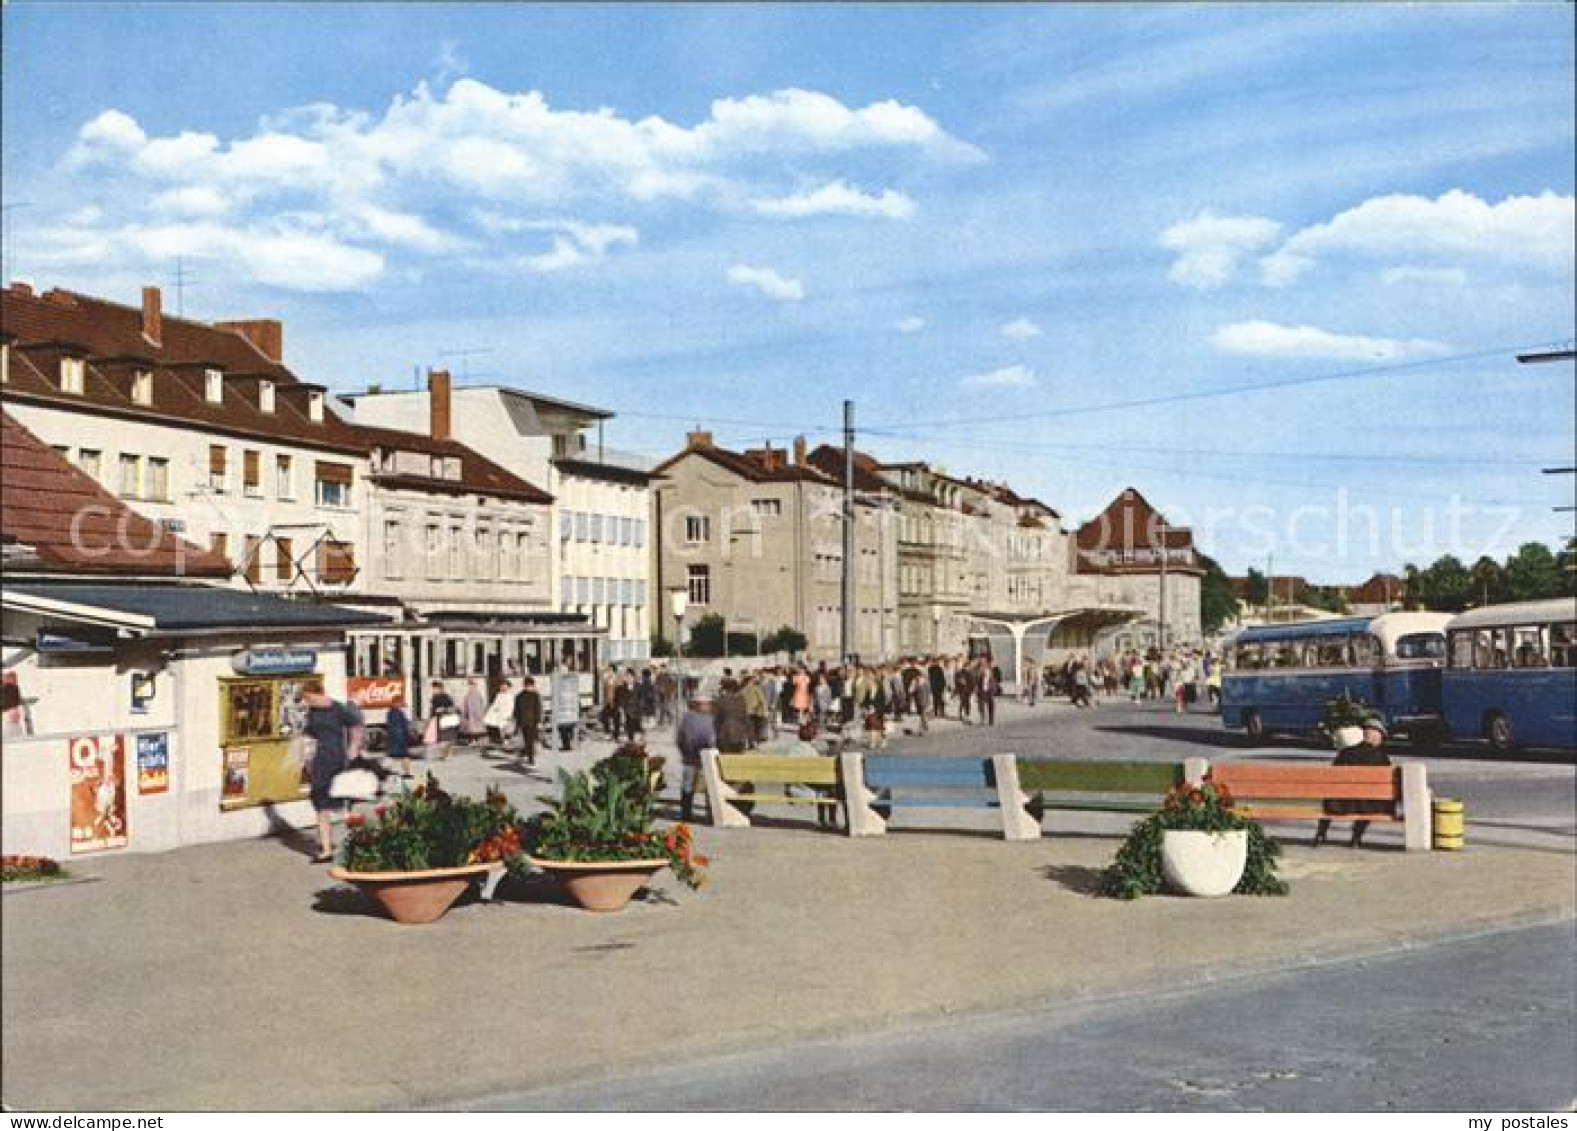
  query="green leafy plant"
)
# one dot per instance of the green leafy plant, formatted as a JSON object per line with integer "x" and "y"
{"x": 606, "y": 815}
{"x": 1207, "y": 808}
{"x": 31, "y": 869}
{"x": 430, "y": 828}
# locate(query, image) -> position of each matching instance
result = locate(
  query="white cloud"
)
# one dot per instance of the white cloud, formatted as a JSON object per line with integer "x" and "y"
{"x": 909, "y": 325}
{"x": 1021, "y": 329}
{"x": 381, "y": 182}
{"x": 838, "y": 199}
{"x": 767, "y": 281}
{"x": 1267, "y": 339}
{"x": 1426, "y": 276}
{"x": 1010, "y": 377}
{"x": 1212, "y": 246}
{"x": 1455, "y": 228}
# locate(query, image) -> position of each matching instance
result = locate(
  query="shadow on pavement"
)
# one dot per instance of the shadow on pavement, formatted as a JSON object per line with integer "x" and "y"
{"x": 1221, "y": 739}
{"x": 1075, "y": 877}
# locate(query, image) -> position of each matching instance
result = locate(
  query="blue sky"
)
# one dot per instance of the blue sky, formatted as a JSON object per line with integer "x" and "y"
{"x": 988, "y": 225}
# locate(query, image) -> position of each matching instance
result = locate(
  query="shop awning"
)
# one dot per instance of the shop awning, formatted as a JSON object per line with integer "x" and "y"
{"x": 177, "y": 610}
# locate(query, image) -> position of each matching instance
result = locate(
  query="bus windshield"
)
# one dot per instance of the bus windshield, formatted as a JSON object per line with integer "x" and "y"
{"x": 1421, "y": 646}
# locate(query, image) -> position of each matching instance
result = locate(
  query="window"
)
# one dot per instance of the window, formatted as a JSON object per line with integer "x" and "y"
{"x": 315, "y": 407}
{"x": 284, "y": 477}
{"x": 90, "y": 462}
{"x": 1421, "y": 646}
{"x": 700, "y": 581}
{"x": 219, "y": 543}
{"x": 252, "y": 472}
{"x": 1366, "y": 650}
{"x": 640, "y": 532}
{"x": 71, "y": 369}
{"x": 523, "y": 555}
{"x": 596, "y": 528}
{"x": 566, "y": 525}
{"x": 157, "y": 483}
{"x": 333, "y": 484}
{"x": 391, "y": 548}
{"x": 284, "y": 560}
{"x": 213, "y": 386}
{"x": 599, "y": 591}
{"x": 1528, "y": 647}
{"x": 583, "y": 590}
{"x": 5, "y": 363}
{"x": 1563, "y": 645}
{"x": 456, "y": 552}
{"x": 265, "y": 396}
{"x": 566, "y": 591}
{"x": 506, "y": 555}
{"x": 218, "y": 467}
{"x": 142, "y": 387}
{"x": 253, "y": 559}
{"x": 582, "y": 526}
{"x": 697, "y": 529}
{"x": 336, "y": 562}
{"x": 484, "y": 552}
{"x": 130, "y": 478}
{"x": 435, "y": 550}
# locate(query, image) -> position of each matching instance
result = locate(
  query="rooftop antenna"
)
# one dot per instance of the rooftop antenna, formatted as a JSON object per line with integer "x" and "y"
{"x": 182, "y": 278}
{"x": 465, "y": 356}
{"x": 7, "y": 266}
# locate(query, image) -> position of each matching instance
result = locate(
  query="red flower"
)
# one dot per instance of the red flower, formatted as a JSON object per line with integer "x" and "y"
{"x": 355, "y": 820}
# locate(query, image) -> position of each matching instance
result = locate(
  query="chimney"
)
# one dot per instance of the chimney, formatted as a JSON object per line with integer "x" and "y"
{"x": 267, "y": 334}
{"x": 698, "y": 439}
{"x": 770, "y": 458}
{"x": 799, "y": 451}
{"x": 439, "y": 387}
{"x": 152, "y": 318}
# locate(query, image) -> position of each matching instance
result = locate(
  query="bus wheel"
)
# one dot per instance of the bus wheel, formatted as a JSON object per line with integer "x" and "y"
{"x": 1253, "y": 726}
{"x": 1501, "y": 737}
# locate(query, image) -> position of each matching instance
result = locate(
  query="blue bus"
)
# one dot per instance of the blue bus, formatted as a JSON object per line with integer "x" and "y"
{"x": 1281, "y": 676}
{"x": 1512, "y": 678}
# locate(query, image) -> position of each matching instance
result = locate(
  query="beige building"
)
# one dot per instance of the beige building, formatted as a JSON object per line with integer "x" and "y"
{"x": 756, "y": 537}
{"x": 1132, "y": 555}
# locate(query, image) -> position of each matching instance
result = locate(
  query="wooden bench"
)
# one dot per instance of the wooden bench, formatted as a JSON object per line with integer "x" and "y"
{"x": 1103, "y": 787}
{"x": 1288, "y": 792}
{"x": 724, "y": 773}
{"x": 877, "y": 784}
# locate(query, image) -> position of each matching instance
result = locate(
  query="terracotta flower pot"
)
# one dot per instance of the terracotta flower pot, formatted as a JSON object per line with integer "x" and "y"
{"x": 416, "y": 897}
{"x": 1200, "y": 863}
{"x": 601, "y": 885}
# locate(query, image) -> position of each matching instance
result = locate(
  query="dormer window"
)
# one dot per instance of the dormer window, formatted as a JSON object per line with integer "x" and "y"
{"x": 213, "y": 386}
{"x": 142, "y": 387}
{"x": 71, "y": 369}
{"x": 315, "y": 407}
{"x": 265, "y": 396}
{"x": 5, "y": 364}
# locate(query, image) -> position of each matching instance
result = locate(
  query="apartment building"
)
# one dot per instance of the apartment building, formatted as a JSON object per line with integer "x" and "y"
{"x": 756, "y": 537}
{"x": 595, "y": 556}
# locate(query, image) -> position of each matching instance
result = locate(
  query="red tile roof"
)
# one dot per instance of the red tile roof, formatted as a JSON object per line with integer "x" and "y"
{"x": 1125, "y": 538}
{"x": 751, "y": 466}
{"x": 43, "y": 328}
{"x": 72, "y": 525}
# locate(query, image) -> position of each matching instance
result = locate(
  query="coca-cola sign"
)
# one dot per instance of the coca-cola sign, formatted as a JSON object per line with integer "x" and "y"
{"x": 376, "y": 693}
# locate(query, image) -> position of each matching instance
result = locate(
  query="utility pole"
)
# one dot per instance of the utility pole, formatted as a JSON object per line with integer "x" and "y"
{"x": 847, "y": 645}
{"x": 1161, "y": 634}
{"x": 182, "y": 278}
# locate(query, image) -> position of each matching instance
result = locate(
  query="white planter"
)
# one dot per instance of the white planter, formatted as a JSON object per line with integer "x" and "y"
{"x": 1344, "y": 738}
{"x": 1209, "y": 864}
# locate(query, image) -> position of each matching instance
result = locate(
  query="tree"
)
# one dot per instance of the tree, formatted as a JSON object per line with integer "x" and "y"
{"x": 1257, "y": 590}
{"x": 785, "y": 639}
{"x": 1217, "y": 605}
{"x": 1489, "y": 581}
{"x": 706, "y": 636}
{"x": 1446, "y": 586}
{"x": 1331, "y": 598}
{"x": 661, "y": 647}
{"x": 1532, "y": 574}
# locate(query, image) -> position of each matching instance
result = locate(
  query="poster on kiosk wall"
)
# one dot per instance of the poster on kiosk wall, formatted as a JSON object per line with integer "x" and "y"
{"x": 98, "y": 793}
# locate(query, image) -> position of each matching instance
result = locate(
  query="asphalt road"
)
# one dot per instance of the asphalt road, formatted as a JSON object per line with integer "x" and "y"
{"x": 1482, "y": 1024}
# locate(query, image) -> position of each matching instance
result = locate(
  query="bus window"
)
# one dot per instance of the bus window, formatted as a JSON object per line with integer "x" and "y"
{"x": 1528, "y": 650}
{"x": 1289, "y": 654}
{"x": 1490, "y": 648}
{"x": 1563, "y": 645}
{"x": 1421, "y": 646}
{"x": 1462, "y": 649}
{"x": 1365, "y": 650}
{"x": 1330, "y": 653}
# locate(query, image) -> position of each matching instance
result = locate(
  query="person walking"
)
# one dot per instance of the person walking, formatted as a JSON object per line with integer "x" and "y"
{"x": 667, "y": 696}
{"x": 336, "y": 731}
{"x": 443, "y": 723}
{"x": 499, "y": 714}
{"x": 397, "y": 738}
{"x": 566, "y": 704}
{"x": 964, "y": 689}
{"x": 937, "y": 678}
{"x": 990, "y": 683}
{"x": 802, "y": 696}
{"x": 755, "y": 709}
{"x": 473, "y": 713}
{"x": 528, "y": 719}
{"x": 626, "y": 708}
{"x": 697, "y": 732}
{"x": 732, "y": 719}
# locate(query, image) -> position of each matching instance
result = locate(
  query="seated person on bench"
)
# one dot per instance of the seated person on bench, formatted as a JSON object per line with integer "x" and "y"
{"x": 805, "y": 746}
{"x": 1367, "y": 753}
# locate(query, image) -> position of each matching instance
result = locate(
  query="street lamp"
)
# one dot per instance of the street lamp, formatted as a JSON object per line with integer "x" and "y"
{"x": 679, "y": 601}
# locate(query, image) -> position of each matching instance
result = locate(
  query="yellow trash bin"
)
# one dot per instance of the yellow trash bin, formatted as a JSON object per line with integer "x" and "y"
{"x": 1450, "y": 822}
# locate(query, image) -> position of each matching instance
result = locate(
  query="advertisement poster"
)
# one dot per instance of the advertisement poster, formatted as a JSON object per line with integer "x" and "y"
{"x": 372, "y": 693}
{"x": 97, "y": 770}
{"x": 153, "y": 763}
{"x": 238, "y": 772}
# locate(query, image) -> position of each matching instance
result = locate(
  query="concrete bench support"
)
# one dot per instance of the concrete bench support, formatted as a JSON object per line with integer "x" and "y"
{"x": 1018, "y": 823}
